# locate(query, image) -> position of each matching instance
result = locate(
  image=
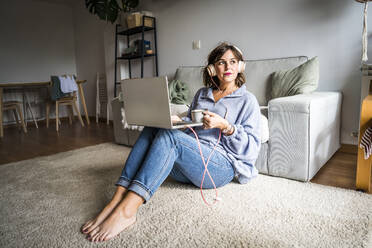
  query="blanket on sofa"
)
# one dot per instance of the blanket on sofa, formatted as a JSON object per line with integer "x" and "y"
{"x": 178, "y": 92}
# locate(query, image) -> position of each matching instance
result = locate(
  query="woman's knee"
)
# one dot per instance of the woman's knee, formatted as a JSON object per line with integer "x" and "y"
{"x": 167, "y": 134}
{"x": 175, "y": 134}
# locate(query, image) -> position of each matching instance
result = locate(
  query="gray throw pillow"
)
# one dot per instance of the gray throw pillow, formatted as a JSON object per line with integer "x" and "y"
{"x": 299, "y": 80}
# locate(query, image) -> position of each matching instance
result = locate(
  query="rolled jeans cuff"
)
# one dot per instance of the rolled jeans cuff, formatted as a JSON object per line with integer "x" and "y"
{"x": 123, "y": 182}
{"x": 135, "y": 186}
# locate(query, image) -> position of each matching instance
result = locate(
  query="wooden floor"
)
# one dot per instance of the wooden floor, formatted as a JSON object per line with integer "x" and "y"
{"x": 340, "y": 170}
{"x": 15, "y": 146}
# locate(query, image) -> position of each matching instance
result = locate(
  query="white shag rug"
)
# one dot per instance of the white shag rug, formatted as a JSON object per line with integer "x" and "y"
{"x": 44, "y": 202}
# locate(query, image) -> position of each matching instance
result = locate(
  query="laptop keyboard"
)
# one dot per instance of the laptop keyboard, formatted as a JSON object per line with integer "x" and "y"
{"x": 182, "y": 123}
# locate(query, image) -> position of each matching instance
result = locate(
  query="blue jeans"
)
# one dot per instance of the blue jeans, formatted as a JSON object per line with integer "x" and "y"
{"x": 161, "y": 152}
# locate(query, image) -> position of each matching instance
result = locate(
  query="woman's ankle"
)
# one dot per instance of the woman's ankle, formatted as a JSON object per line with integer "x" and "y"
{"x": 119, "y": 194}
{"x": 130, "y": 204}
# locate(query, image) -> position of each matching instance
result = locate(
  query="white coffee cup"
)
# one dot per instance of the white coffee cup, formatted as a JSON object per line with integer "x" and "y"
{"x": 197, "y": 115}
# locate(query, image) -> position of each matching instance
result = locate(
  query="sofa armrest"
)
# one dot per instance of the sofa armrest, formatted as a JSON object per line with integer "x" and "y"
{"x": 304, "y": 133}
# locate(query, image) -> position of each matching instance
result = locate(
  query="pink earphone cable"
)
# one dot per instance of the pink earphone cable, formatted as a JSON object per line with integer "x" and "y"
{"x": 216, "y": 199}
{"x": 206, "y": 167}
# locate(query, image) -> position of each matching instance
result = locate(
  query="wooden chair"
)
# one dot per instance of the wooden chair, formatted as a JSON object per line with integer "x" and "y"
{"x": 16, "y": 107}
{"x": 71, "y": 102}
{"x": 363, "y": 175}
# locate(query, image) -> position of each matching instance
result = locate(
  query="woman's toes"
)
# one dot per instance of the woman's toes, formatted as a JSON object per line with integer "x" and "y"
{"x": 85, "y": 230}
{"x": 101, "y": 237}
{"x": 93, "y": 232}
{"x": 97, "y": 239}
{"x": 94, "y": 238}
{"x": 86, "y": 226}
{"x": 104, "y": 237}
{"x": 108, "y": 237}
{"x": 90, "y": 229}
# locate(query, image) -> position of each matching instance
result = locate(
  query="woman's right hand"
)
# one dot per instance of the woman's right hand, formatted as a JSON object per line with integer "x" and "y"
{"x": 175, "y": 118}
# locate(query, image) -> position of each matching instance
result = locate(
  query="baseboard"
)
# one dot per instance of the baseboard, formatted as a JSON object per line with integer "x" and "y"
{"x": 347, "y": 148}
{"x": 31, "y": 123}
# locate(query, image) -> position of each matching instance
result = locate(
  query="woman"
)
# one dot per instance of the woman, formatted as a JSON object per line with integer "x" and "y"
{"x": 158, "y": 153}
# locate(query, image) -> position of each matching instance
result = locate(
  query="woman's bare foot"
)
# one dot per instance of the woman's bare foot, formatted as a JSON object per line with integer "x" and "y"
{"x": 112, "y": 226}
{"x": 116, "y": 199}
{"x": 121, "y": 218}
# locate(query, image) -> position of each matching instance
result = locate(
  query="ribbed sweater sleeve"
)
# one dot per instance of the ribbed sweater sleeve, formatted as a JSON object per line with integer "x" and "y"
{"x": 244, "y": 144}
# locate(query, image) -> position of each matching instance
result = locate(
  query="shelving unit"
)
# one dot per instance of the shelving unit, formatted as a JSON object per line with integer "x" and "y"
{"x": 129, "y": 32}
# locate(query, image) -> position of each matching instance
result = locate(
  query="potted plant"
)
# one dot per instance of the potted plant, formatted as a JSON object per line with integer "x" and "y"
{"x": 110, "y": 10}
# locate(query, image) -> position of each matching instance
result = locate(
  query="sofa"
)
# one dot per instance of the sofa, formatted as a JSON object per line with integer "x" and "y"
{"x": 299, "y": 133}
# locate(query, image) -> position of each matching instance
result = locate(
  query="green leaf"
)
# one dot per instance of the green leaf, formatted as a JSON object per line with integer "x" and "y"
{"x": 128, "y": 5}
{"x": 107, "y": 10}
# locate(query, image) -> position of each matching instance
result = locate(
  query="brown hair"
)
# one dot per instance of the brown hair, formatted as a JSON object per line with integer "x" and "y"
{"x": 216, "y": 55}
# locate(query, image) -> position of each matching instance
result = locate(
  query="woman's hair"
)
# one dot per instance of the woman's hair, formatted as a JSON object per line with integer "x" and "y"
{"x": 216, "y": 55}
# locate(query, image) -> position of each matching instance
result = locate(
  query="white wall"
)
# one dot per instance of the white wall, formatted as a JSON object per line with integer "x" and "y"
{"x": 36, "y": 41}
{"x": 269, "y": 29}
{"x": 89, "y": 50}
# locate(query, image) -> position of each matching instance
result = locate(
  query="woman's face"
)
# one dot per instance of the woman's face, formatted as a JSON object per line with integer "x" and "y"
{"x": 227, "y": 67}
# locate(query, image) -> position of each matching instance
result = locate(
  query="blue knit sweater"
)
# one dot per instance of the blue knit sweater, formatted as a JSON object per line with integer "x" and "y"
{"x": 243, "y": 146}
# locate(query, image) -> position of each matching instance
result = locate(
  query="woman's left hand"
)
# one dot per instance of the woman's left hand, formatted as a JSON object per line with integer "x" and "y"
{"x": 212, "y": 120}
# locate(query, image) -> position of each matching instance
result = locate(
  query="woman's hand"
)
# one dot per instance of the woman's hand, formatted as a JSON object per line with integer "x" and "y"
{"x": 212, "y": 120}
{"x": 175, "y": 118}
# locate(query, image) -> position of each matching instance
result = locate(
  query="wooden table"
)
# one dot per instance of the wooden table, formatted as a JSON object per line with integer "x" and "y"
{"x": 25, "y": 85}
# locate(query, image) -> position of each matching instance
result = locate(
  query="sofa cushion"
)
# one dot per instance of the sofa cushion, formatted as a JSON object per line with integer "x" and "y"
{"x": 299, "y": 80}
{"x": 258, "y": 75}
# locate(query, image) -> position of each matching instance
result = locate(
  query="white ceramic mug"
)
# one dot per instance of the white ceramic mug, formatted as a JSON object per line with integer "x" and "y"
{"x": 197, "y": 115}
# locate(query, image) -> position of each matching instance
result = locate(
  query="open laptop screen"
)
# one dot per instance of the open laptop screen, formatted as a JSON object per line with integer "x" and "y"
{"x": 146, "y": 102}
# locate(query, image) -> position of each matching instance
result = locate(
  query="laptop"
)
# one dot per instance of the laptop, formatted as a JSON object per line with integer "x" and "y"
{"x": 146, "y": 103}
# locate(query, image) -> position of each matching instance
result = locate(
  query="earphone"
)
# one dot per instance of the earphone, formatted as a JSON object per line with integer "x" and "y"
{"x": 241, "y": 66}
